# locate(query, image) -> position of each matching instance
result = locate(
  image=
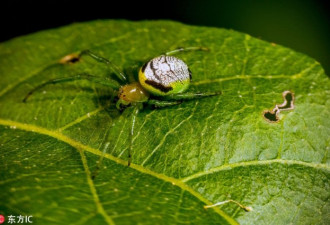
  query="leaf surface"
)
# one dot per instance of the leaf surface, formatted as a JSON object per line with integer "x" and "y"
{"x": 184, "y": 157}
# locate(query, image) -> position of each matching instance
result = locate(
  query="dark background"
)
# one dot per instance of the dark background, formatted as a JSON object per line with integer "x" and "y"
{"x": 302, "y": 25}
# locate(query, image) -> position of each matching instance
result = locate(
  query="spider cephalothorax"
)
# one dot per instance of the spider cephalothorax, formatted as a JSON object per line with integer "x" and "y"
{"x": 132, "y": 93}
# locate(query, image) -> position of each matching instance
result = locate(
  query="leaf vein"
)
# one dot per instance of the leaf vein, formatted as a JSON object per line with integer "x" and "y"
{"x": 22, "y": 79}
{"x": 97, "y": 201}
{"x": 168, "y": 133}
{"x": 255, "y": 163}
{"x": 78, "y": 145}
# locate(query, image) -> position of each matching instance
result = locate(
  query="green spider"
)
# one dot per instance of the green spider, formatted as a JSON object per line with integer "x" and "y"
{"x": 163, "y": 82}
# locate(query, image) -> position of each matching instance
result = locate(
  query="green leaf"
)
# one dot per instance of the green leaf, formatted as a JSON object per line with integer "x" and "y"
{"x": 184, "y": 157}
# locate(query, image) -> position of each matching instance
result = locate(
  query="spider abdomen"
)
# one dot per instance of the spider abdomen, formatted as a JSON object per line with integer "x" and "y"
{"x": 165, "y": 75}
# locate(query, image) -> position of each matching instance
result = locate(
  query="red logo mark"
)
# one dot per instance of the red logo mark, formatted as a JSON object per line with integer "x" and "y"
{"x": 2, "y": 219}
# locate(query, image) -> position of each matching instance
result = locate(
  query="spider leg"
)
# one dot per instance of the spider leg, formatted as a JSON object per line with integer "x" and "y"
{"x": 104, "y": 81}
{"x": 136, "y": 110}
{"x": 98, "y": 58}
{"x": 130, "y": 73}
{"x": 186, "y": 49}
{"x": 100, "y": 161}
{"x": 176, "y": 99}
{"x": 190, "y": 95}
{"x": 161, "y": 103}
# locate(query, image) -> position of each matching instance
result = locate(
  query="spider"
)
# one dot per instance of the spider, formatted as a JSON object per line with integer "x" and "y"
{"x": 162, "y": 81}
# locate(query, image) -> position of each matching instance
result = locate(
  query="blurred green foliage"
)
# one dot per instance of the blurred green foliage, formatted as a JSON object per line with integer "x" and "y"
{"x": 302, "y": 25}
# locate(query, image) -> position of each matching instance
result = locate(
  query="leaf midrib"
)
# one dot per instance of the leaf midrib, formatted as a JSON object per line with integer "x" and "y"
{"x": 81, "y": 148}
{"x": 178, "y": 182}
